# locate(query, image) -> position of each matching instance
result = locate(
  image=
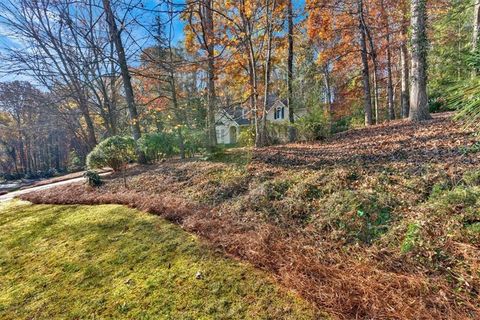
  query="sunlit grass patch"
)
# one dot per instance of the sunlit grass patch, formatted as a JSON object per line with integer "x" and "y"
{"x": 110, "y": 261}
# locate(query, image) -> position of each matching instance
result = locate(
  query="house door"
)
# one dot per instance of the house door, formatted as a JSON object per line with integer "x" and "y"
{"x": 233, "y": 135}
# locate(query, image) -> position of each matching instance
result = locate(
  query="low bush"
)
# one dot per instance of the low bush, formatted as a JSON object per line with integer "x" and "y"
{"x": 157, "y": 146}
{"x": 278, "y": 132}
{"x": 92, "y": 178}
{"x": 74, "y": 162}
{"x": 114, "y": 152}
{"x": 352, "y": 121}
{"x": 313, "y": 126}
{"x": 9, "y": 176}
{"x": 411, "y": 237}
{"x": 356, "y": 215}
{"x": 472, "y": 178}
{"x": 246, "y": 138}
{"x": 194, "y": 142}
{"x": 472, "y": 149}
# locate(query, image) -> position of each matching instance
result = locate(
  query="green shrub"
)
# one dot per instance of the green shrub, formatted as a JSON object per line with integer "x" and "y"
{"x": 472, "y": 178}
{"x": 74, "y": 162}
{"x": 157, "y": 146}
{"x": 92, "y": 178}
{"x": 355, "y": 120}
{"x": 217, "y": 154}
{"x": 114, "y": 152}
{"x": 194, "y": 142}
{"x": 438, "y": 189}
{"x": 460, "y": 196}
{"x": 277, "y": 189}
{"x": 313, "y": 126}
{"x": 246, "y": 138}
{"x": 437, "y": 102}
{"x": 472, "y": 149}
{"x": 278, "y": 132}
{"x": 375, "y": 223}
{"x": 359, "y": 215}
{"x": 411, "y": 237}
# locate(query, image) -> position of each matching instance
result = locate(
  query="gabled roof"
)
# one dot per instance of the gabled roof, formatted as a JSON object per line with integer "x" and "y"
{"x": 238, "y": 114}
{"x": 273, "y": 99}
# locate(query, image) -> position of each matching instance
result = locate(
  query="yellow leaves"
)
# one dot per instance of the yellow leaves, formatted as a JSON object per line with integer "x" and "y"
{"x": 189, "y": 39}
{"x": 5, "y": 118}
{"x": 249, "y": 8}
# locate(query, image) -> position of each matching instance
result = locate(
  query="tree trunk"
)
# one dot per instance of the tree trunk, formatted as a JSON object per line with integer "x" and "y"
{"x": 328, "y": 91}
{"x": 207, "y": 6}
{"x": 405, "y": 94}
{"x": 373, "y": 54}
{"x": 252, "y": 72}
{"x": 127, "y": 84}
{"x": 181, "y": 143}
{"x": 476, "y": 24}
{"x": 253, "y": 93}
{"x": 390, "y": 98}
{"x": 391, "y": 102}
{"x": 418, "y": 92}
{"x": 83, "y": 106}
{"x": 263, "y": 138}
{"x": 365, "y": 71}
{"x": 375, "y": 88}
{"x": 292, "y": 132}
{"x": 404, "y": 67}
{"x": 112, "y": 107}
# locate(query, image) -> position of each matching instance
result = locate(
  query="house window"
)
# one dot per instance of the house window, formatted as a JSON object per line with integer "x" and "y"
{"x": 279, "y": 113}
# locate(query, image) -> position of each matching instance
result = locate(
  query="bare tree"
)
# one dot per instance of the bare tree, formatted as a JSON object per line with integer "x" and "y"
{"x": 262, "y": 138}
{"x": 201, "y": 21}
{"x": 390, "y": 97}
{"x": 116, "y": 38}
{"x": 50, "y": 56}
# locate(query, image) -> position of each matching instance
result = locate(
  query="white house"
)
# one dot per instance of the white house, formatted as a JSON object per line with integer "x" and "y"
{"x": 228, "y": 122}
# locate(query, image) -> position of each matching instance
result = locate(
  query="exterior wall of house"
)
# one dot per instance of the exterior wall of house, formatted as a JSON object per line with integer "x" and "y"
{"x": 277, "y": 108}
{"x": 223, "y": 134}
{"x": 282, "y": 116}
{"x": 226, "y": 129}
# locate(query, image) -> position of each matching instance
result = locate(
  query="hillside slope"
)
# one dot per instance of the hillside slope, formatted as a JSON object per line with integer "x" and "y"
{"x": 382, "y": 222}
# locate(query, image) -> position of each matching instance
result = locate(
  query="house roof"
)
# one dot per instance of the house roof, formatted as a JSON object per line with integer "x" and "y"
{"x": 273, "y": 99}
{"x": 238, "y": 114}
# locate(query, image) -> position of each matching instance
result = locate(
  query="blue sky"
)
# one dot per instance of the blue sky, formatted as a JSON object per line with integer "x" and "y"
{"x": 147, "y": 16}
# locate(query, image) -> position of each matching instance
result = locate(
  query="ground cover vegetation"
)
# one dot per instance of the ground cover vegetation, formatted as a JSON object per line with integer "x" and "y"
{"x": 379, "y": 222}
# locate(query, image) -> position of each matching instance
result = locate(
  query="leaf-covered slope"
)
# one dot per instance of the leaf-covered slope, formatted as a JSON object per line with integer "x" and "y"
{"x": 380, "y": 222}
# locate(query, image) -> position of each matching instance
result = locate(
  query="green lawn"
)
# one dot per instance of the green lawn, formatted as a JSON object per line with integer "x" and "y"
{"x": 109, "y": 261}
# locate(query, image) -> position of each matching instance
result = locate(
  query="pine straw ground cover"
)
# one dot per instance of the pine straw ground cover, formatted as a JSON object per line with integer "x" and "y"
{"x": 377, "y": 223}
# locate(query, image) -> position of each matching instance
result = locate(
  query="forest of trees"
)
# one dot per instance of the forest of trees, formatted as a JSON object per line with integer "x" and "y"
{"x": 97, "y": 69}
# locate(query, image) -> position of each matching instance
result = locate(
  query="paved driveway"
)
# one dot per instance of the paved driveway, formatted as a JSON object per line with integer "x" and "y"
{"x": 13, "y": 194}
